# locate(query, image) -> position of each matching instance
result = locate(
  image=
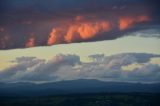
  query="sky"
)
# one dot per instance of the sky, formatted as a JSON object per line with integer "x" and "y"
{"x": 54, "y": 40}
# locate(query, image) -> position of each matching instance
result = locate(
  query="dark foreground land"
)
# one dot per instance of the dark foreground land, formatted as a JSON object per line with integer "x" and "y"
{"x": 103, "y": 99}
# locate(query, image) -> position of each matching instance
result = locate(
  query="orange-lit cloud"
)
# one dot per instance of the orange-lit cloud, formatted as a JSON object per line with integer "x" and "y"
{"x": 78, "y": 31}
{"x": 86, "y": 30}
{"x": 76, "y": 22}
{"x": 129, "y": 21}
{"x": 30, "y": 42}
{"x": 83, "y": 29}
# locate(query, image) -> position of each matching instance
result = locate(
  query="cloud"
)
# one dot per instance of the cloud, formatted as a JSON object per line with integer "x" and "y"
{"x": 69, "y": 67}
{"x": 97, "y": 57}
{"x": 31, "y": 23}
{"x": 150, "y": 74}
{"x": 126, "y": 22}
{"x": 30, "y": 42}
{"x": 78, "y": 31}
{"x": 153, "y": 32}
{"x": 33, "y": 69}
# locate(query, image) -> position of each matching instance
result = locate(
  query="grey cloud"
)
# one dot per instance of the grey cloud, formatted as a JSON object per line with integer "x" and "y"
{"x": 148, "y": 72}
{"x": 97, "y": 57}
{"x": 119, "y": 60}
{"x": 152, "y": 32}
{"x": 33, "y": 69}
{"x": 110, "y": 69}
{"x": 20, "y": 68}
{"x": 69, "y": 67}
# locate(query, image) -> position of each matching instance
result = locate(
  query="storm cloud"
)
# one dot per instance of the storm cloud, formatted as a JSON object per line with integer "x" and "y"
{"x": 125, "y": 67}
{"x": 31, "y": 23}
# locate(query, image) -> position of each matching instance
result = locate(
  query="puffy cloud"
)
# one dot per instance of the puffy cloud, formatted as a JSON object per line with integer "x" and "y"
{"x": 148, "y": 73}
{"x": 69, "y": 67}
{"x": 22, "y": 67}
{"x": 153, "y": 32}
{"x": 110, "y": 68}
{"x": 33, "y": 69}
{"x": 97, "y": 57}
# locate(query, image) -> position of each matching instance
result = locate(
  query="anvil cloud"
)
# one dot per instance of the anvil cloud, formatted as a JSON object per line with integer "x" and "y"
{"x": 30, "y": 23}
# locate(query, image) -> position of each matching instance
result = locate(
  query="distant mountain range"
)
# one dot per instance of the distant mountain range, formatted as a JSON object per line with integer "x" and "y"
{"x": 74, "y": 86}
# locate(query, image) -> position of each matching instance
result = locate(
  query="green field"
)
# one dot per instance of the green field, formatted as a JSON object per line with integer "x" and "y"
{"x": 107, "y": 99}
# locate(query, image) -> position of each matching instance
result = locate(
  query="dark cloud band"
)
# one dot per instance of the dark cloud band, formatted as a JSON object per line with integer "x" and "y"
{"x": 30, "y": 23}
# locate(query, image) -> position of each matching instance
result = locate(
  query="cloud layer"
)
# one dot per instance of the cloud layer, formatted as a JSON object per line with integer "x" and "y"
{"x": 30, "y": 23}
{"x": 126, "y": 67}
